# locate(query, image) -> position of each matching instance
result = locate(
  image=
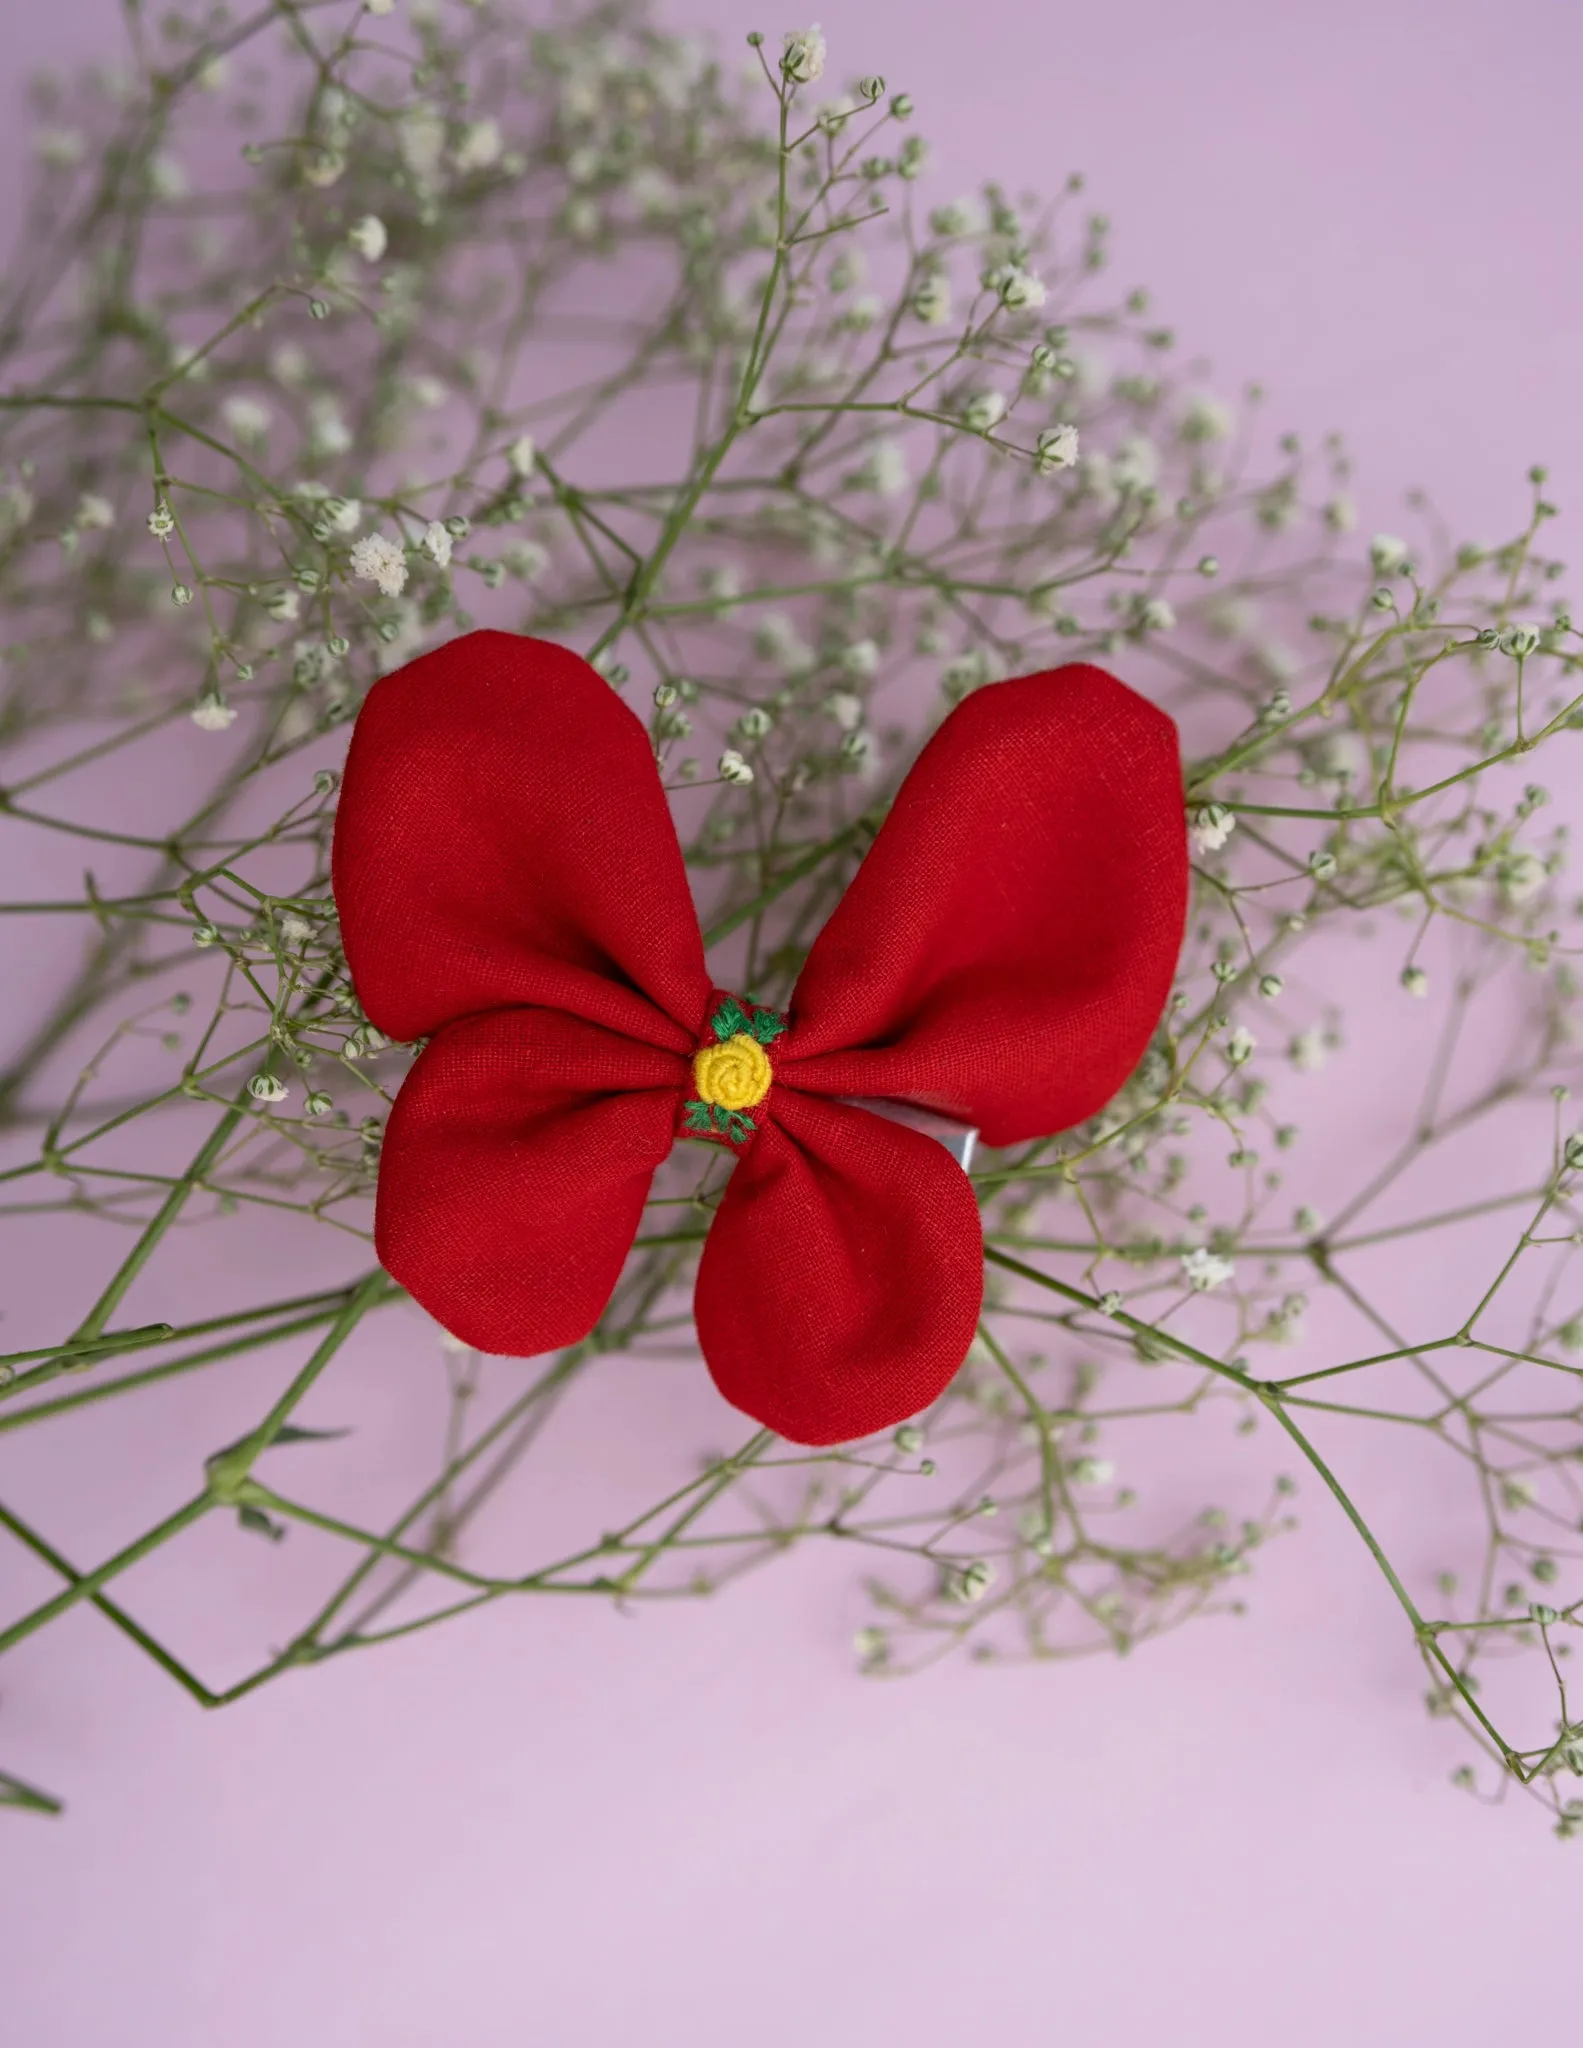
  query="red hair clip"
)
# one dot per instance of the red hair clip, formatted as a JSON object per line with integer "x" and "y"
{"x": 511, "y": 888}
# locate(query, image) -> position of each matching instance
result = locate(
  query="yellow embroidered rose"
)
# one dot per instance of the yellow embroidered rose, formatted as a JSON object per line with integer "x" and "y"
{"x": 736, "y": 1074}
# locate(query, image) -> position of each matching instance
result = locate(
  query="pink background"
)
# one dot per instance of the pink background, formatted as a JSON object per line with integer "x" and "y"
{"x": 555, "y": 1826}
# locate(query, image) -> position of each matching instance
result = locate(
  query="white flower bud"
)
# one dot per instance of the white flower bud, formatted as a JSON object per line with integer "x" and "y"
{"x": 983, "y": 410}
{"x": 802, "y": 55}
{"x": 211, "y": 713}
{"x": 369, "y": 238}
{"x": 1211, "y": 827}
{"x": 1388, "y": 554}
{"x": 970, "y": 1583}
{"x": 1057, "y": 449}
{"x": 931, "y": 302}
{"x": 1015, "y": 287}
{"x": 1204, "y": 1271}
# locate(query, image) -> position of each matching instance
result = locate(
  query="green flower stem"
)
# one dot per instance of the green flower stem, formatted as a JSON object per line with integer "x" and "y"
{"x": 270, "y": 1332}
{"x": 86, "y": 1585}
{"x": 164, "y": 1658}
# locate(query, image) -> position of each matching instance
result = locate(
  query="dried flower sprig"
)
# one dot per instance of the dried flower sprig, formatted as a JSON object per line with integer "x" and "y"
{"x": 561, "y": 330}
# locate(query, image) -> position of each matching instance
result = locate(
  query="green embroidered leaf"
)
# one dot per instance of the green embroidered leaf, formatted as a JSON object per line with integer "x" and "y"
{"x": 696, "y": 1116}
{"x": 739, "y": 1128}
{"x": 729, "y": 1019}
{"x": 767, "y": 1025}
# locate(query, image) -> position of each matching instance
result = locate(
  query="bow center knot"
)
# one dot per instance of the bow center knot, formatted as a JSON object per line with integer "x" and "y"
{"x": 732, "y": 1071}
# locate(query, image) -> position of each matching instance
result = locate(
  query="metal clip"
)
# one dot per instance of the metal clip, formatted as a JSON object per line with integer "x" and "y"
{"x": 958, "y": 1139}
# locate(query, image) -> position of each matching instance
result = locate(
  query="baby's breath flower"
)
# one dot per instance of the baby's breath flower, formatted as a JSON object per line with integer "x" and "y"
{"x": 167, "y": 179}
{"x": 969, "y": 1582}
{"x": 525, "y": 559}
{"x": 437, "y": 543}
{"x": 161, "y": 521}
{"x": 377, "y": 559}
{"x": 1387, "y": 553}
{"x": 283, "y": 605}
{"x": 1205, "y": 1271}
{"x": 1057, "y": 449}
{"x": 522, "y": 456}
{"x": 983, "y": 410}
{"x": 1340, "y": 514}
{"x": 369, "y": 237}
{"x": 803, "y": 55}
{"x": 860, "y": 658}
{"x": 1015, "y": 287}
{"x": 380, "y": 7}
{"x": 1239, "y": 1046}
{"x": 1308, "y": 1051}
{"x": 479, "y": 147}
{"x": 931, "y": 301}
{"x": 1206, "y": 419}
{"x": 1211, "y": 827}
{"x": 60, "y": 148}
{"x": 422, "y": 141}
{"x": 960, "y": 217}
{"x": 1136, "y": 464}
{"x": 733, "y": 768}
{"x": 845, "y": 709}
{"x": 1156, "y": 615}
{"x": 248, "y": 418}
{"x": 328, "y": 433}
{"x": 94, "y": 514}
{"x": 211, "y": 713}
{"x": 324, "y": 167}
{"x": 1521, "y": 876}
{"x": 1415, "y": 981}
{"x": 884, "y": 470}
{"x": 267, "y": 1088}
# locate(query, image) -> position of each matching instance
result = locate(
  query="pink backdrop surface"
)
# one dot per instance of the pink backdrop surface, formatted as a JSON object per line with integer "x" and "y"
{"x": 556, "y": 1826}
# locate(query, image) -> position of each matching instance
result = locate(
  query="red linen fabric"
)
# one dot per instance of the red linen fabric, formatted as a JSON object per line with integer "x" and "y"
{"x": 510, "y": 886}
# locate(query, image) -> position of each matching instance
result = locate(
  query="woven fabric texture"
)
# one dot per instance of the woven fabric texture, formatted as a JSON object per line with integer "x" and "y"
{"x": 511, "y": 888}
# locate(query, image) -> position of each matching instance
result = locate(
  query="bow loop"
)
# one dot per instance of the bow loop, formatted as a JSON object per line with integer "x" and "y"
{"x": 842, "y": 1276}
{"x": 503, "y": 839}
{"x": 1005, "y": 950}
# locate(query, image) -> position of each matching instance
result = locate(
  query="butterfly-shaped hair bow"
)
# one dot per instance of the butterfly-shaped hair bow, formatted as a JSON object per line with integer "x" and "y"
{"x": 511, "y": 889}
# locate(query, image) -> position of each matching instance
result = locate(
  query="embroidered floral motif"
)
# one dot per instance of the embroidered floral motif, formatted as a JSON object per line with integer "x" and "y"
{"x": 732, "y": 1072}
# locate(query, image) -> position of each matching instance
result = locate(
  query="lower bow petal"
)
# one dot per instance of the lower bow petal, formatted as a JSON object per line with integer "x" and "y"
{"x": 842, "y": 1276}
{"x": 517, "y": 1160}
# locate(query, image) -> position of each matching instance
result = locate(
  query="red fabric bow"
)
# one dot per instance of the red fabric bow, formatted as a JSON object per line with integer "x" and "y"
{"x": 511, "y": 888}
